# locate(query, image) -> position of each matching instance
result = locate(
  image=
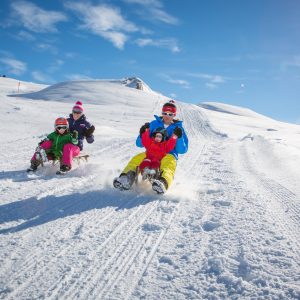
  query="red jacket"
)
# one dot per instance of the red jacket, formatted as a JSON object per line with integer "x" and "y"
{"x": 156, "y": 151}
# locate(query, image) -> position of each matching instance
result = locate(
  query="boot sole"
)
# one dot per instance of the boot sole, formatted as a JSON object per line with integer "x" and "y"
{"x": 118, "y": 185}
{"x": 157, "y": 189}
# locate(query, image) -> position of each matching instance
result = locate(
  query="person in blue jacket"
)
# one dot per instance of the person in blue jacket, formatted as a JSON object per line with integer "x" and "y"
{"x": 169, "y": 162}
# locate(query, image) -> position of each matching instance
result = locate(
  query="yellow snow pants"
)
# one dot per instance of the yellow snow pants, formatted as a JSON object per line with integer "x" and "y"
{"x": 167, "y": 166}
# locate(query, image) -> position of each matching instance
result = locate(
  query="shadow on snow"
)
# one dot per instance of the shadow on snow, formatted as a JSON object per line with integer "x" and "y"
{"x": 37, "y": 212}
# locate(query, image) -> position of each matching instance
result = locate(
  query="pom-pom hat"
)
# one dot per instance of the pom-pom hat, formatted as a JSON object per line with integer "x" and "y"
{"x": 170, "y": 106}
{"x": 78, "y": 107}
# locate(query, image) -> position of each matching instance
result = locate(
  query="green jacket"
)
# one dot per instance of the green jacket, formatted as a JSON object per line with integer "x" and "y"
{"x": 58, "y": 142}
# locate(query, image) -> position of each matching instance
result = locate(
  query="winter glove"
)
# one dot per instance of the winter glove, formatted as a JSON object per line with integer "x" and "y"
{"x": 144, "y": 127}
{"x": 90, "y": 139}
{"x": 75, "y": 134}
{"x": 89, "y": 132}
{"x": 178, "y": 132}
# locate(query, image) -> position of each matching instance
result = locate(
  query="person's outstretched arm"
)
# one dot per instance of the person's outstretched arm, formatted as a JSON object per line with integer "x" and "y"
{"x": 146, "y": 139}
{"x": 171, "y": 143}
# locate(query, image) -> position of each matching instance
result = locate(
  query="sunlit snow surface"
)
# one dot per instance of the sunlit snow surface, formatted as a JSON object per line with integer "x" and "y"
{"x": 228, "y": 228}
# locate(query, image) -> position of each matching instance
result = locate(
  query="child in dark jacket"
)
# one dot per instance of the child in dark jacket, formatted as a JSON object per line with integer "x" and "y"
{"x": 156, "y": 148}
{"x": 78, "y": 121}
{"x": 52, "y": 148}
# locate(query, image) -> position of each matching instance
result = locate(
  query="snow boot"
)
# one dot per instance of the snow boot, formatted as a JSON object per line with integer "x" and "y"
{"x": 33, "y": 165}
{"x": 145, "y": 173}
{"x": 124, "y": 181}
{"x": 149, "y": 174}
{"x": 63, "y": 170}
{"x": 160, "y": 185}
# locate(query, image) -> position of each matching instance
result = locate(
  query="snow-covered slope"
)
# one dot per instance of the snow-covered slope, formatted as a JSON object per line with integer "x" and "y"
{"x": 12, "y": 86}
{"x": 67, "y": 91}
{"x": 228, "y": 228}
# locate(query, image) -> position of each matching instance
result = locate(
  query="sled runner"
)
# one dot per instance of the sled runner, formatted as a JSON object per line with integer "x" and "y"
{"x": 81, "y": 157}
{"x": 147, "y": 175}
{"x": 153, "y": 176}
{"x": 78, "y": 159}
{"x": 43, "y": 157}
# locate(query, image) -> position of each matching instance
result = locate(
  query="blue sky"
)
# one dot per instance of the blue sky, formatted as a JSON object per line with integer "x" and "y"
{"x": 244, "y": 53}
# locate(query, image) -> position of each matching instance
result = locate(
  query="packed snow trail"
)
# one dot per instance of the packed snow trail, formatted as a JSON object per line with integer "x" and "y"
{"x": 228, "y": 228}
{"x": 225, "y": 243}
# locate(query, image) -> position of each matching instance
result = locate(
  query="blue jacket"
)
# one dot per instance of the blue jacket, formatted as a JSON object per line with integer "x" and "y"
{"x": 81, "y": 125}
{"x": 182, "y": 144}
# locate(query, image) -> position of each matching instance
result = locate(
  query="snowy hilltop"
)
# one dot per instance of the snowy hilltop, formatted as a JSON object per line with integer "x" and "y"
{"x": 228, "y": 227}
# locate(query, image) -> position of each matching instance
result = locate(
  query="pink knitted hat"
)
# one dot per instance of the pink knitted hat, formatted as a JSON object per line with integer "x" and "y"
{"x": 78, "y": 107}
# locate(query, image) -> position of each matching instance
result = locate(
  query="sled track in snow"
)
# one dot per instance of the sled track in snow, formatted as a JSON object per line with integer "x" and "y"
{"x": 203, "y": 128}
{"x": 53, "y": 192}
{"x": 38, "y": 257}
{"x": 129, "y": 259}
{"x": 198, "y": 158}
{"x": 277, "y": 196}
{"x": 52, "y": 213}
{"x": 56, "y": 254}
{"x": 196, "y": 165}
{"x": 196, "y": 161}
{"x": 231, "y": 217}
{"x": 127, "y": 224}
{"x": 121, "y": 263}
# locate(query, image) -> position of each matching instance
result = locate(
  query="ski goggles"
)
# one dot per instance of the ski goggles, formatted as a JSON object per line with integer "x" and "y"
{"x": 59, "y": 127}
{"x": 167, "y": 114}
{"x": 77, "y": 112}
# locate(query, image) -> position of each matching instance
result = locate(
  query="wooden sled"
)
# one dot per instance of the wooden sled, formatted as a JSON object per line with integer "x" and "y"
{"x": 81, "y": 157}
{"x": 78, "y": 159}
{"x": 149, "y": 177}
{"x": 42, "y": 157}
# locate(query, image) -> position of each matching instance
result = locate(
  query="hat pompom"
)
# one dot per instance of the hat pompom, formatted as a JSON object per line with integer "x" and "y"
{"x": 170, "y": 106}
{"x": 78, "y": 106}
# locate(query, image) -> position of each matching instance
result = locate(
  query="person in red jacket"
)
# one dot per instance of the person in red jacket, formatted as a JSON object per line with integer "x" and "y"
{"x": 156, "y": 148}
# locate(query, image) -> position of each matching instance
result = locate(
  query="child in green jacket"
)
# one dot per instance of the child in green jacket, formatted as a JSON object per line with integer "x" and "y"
{"x": 53, "y": 147}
